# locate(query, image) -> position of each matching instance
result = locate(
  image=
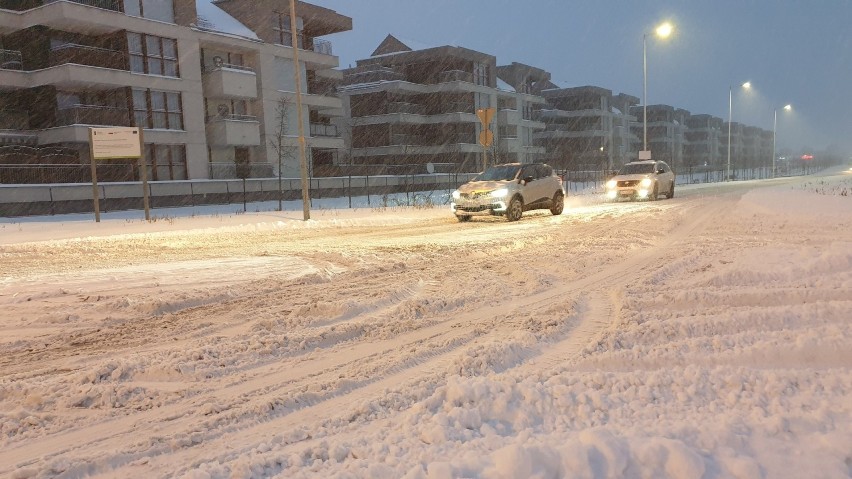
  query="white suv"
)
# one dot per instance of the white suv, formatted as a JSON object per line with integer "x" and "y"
{"x": 644, "y": 179}
{"x": 510, "y": 189}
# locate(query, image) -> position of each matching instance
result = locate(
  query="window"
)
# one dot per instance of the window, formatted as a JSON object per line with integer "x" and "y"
{"x": 152, "y": 55}
{"x": 166, "y": 162}
{"x": 157, "y": 109}
{"x": 482, "y": 100}
{"x": 282, "y": 31}
{"x": 526, "y": 110}
{"x": 162, "y": 10}
{"x": 480, "y": 74}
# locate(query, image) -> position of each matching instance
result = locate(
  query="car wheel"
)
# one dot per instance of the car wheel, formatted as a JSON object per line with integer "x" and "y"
{"x": 654, "y": 193}
{"x": 558, "y": 203}
{"x": 515, "y": 209}
{"x": 671, "y": 192}
{"x": 463, "y": 218}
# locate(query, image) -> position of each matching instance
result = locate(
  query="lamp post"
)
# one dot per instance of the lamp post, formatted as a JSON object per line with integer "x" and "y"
{"x": 774, "y": 133}
{"x": 746, "y": 85}
{"x": 662, "y": 31}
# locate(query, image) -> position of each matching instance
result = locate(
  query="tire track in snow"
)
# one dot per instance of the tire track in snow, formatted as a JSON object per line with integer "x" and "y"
{"x": 595, "y": 316}
{"x": 125, "y": 434}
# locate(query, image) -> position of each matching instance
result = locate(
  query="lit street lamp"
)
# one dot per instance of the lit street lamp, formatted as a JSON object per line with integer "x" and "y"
{"x": 662, "y": 31}
{"x": 746, "y": 85}
{"x": 774, "y": 133}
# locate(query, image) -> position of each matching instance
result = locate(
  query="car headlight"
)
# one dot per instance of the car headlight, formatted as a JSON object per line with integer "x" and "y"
{"x": 501, "y": 193}
{"x": 646, "y": 182}
{"x": 456, "y": 194}
{"x": 611, "y": 184}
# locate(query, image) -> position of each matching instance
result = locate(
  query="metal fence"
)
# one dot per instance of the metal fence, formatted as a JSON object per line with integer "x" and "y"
{"x": 121, "y": 190}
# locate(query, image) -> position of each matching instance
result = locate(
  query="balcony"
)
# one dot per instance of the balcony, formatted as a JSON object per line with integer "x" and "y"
{"x": 455, "y": 75}
{"x": 322, "y": 88}
{"x": 233, "y": 130}
{"x": 92, "y": 115}
{"x": 322, "y": 46}
{"x": 14, "y": 120}
{"x": 508, "y": 143}
{"x": 86, "y": 55}
{"x": 455, "y": 107}
{"x": 114, "y": 5}
{"x": 508, "y": 117}
{"x": 230, "y": 81}
{"x": 11, "y": 60}
{"x": 403, "y": 139}
{"x": 403, "y": 107}
{"x": 321, "y": 129}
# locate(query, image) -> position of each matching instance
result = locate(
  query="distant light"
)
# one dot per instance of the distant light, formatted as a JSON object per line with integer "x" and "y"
{"x": 747, "y": 85}
{"x": 788, "y": 107}
{"x": 664, "y": 30}
{"x": 807, "y": 157}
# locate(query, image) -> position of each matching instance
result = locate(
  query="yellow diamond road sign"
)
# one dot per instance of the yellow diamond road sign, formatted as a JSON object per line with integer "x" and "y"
{"x": 485, "y": 115}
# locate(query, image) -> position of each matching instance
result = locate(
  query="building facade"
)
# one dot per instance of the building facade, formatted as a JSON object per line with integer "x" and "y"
{"x": 666, "y": 132}
{"x": 203, "y": 79}
{"x": 413, "y": 109}
{"x": 704, "y": 147}
{"x": 587, "y": 127}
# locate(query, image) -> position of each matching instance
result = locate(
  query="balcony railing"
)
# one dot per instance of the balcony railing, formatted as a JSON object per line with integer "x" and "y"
{"x": 403, "y": 107}
{"x": 456, "y": 107}
{"x": 92, "y": 115}
{"x": 322, "y": 46}
{"x": 409, "y": 139}
{"x": 11, "y": 60}
{"x": 457, "y": 138}
{"x": 115, "y": 5}
{"x": 87, "y": 55}
{"x": 232, "y": 117}
{"x": 322, "y": 88}
{"x": 321, "y": 129}
{"x": 405, "y": 139}
{"x": 231, "y": 66}
{"x": 14, "y": 120}
{"x": 455, "y": 75}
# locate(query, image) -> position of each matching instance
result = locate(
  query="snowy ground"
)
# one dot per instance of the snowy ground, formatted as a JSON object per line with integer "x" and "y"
{"x": 704, "y": 336}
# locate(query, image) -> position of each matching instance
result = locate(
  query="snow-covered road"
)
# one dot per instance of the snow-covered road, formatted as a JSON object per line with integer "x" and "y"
{"x": 704, "y": 336}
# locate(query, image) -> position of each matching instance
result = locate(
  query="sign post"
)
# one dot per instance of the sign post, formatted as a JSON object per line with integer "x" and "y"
{"x": 118, "y": 143}
{"x": 486, "y": 137}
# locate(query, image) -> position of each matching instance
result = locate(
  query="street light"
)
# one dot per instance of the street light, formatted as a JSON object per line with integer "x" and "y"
{"x": 662, "y": 31}
{"x": 774, "y": 133}
{"x": 746, "y": 85}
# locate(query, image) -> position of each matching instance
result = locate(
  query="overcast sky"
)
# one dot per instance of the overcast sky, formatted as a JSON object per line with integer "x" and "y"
{"x": 797, "y": 52}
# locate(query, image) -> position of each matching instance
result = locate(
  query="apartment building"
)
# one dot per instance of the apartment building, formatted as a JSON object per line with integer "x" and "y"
{"x": 203, "y": 79}
{"x": 666, "y": 132}
{"x": 704, "y": 147}
{"x": 735, "y": 145}
{"x": 411, "y": 108}
{"x": 516, "y": 121}
{"x": 586, "y": 127}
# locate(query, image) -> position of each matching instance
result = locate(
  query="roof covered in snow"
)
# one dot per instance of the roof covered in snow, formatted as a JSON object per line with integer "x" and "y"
{"x": 214, "y": 19}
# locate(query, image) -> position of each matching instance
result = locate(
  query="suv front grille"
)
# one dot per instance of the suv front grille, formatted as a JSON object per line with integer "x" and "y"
{"x": 628, "y": 183}
{"x": 473, "y": 209}
{"x": 474, "y": 196}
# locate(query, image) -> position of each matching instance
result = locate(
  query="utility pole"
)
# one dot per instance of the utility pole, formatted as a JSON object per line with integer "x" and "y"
{"x": 297, "y": 74}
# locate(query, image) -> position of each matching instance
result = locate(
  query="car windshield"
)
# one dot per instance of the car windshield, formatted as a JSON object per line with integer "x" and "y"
{"x": 637, "y": 169}
{"x": 498, "y": 173}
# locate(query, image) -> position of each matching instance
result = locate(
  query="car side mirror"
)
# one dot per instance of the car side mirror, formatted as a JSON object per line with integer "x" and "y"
{"x": 527, "y": 179}
{"x": 661, "y": 171}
